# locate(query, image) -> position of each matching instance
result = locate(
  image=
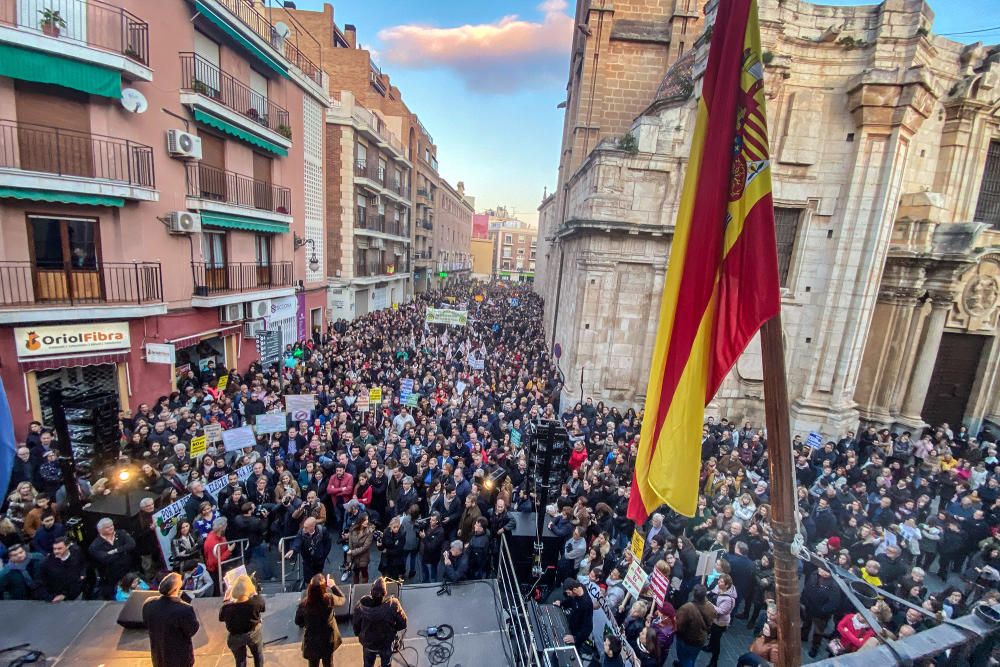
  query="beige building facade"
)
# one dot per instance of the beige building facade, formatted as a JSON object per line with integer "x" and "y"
{"x": 885, "y": 149}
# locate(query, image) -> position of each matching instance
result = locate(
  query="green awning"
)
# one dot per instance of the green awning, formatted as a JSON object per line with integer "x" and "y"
{"x": 60, "y": 197}
{"x": 25, "y": 64}
{"x": 225, "y": 26}
{"x": 238, "y": 132}
{"x": 212, "y": 219}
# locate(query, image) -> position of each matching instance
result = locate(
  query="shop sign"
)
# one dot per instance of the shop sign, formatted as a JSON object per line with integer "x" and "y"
{"x": 160, "y": 353}
{"x": 68, "y": 338}
{"x": 282, "y": 308}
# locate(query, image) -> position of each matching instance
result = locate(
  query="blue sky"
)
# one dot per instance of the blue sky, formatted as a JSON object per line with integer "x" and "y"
{"x": 485, "y": 79}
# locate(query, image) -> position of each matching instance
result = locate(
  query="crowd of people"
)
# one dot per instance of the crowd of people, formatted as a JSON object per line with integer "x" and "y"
{"x": 420, "y": 486}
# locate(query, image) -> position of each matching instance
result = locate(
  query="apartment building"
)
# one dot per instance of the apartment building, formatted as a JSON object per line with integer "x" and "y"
{"x": 514, "y": 246}
{"x": 160, "y": 193}
{"x": 453, "y": 234}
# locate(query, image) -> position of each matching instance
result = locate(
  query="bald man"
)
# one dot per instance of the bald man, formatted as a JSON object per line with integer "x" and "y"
{"x": 172, "y": 623}
{"x": 313, "y": 542}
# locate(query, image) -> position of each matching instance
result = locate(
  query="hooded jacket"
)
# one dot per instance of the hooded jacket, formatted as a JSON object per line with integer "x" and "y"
{"x": 376, "y": 622}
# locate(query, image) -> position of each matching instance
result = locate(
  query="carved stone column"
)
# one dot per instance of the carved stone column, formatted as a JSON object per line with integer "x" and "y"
{"x": 920, "y": 379}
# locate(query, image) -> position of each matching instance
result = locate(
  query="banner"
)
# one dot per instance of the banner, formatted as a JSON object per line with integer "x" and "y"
{"x": 237, "y": 438}
{"x": 272, "y": 422}
{"x": 604, "y": 620}
{"x": 447, "y": 316}
{"x": 300, "y": 406}
{"x": 167, "y": 518}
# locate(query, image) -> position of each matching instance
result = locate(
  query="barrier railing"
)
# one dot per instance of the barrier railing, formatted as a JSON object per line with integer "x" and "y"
{"x": 512, "y": 603}
{"x": 284, "y": 562}
{"x": 237, "y": 546}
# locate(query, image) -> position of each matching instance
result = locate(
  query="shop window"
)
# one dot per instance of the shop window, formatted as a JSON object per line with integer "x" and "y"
{"x": 65, "y": 255}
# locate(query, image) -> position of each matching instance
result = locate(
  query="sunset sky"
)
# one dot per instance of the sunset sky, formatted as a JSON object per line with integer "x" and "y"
{"x": 485, "y": 78}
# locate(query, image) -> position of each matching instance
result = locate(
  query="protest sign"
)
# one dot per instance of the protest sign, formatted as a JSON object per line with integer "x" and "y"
{"x": 405, "y": 389}
{"x": 460, "y": 387}
{"x": 634, "y": 579}
{"x": 660, "y": 586}
{"x": 706, "y": 563}
{"x": 167, "y": 518}
{"x": 815, "y": 440}
{"x": 605, "y": 623}
{"x": 213, "y": 432}
{"x": 272, "y": 422}
{"x": 223, "y": 382}
{"x": 237, "y": 438}
{"x": 375, "y": 395}
{"x": 413, "y": 400}
{"x": 363, "y": 403}
{"x": 515, "y": 437}
{"x": 300, "y": 406}
{"x": 447, "y": 316}
{"x": 199, "y": 444}
{"x": 638, "y": 544}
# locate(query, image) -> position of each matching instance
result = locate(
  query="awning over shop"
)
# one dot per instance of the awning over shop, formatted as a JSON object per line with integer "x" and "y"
{"x": 60, "y": 197}
{"x": 194, "y": 339}
{"x": 226, "y": 26}
{"x": 226, "y": 221}
{"x": 238, "y": 132}
{"x": 73, "y": 361}
{"x": 18, "y": 62}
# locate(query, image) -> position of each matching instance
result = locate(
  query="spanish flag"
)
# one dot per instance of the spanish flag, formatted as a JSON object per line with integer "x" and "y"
{"x": 722, "y": 277}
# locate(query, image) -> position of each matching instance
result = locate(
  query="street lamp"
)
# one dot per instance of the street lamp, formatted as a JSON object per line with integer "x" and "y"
{"x": 298, "y": 241}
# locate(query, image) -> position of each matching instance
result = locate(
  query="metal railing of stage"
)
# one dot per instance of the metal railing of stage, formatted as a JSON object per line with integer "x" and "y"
{"x": 518, "y": 628}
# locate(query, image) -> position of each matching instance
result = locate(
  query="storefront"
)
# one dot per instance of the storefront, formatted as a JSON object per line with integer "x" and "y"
{"x": 284, "y": 318}
{"x": 83, "y": 360}
{"x": 194, "y": 351}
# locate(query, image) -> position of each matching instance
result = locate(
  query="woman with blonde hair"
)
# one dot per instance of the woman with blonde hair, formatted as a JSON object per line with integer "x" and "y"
{"x": 241, "y": 611}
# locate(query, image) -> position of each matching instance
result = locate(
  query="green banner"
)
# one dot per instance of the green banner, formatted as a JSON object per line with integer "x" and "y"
{"x": 447, "y": 316}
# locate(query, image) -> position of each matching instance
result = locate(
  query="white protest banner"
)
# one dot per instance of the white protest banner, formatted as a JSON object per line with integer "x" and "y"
{"x": 300, "y": 406}
{"x": 447, "y": 316}
{"x": 460, "y": 387}
{"x": 237, "y": 438}
{"x": 604, "y": 619}
{"x": 634, "y": 579}
{"x": 166, "y": 519}
{"x": 272, "y": 422}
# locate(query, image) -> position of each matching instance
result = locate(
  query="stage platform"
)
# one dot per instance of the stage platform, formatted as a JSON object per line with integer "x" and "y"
{"x": 85, "y": 634}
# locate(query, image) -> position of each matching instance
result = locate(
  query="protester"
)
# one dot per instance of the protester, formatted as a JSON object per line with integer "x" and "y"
{"x": 315, "y": 615}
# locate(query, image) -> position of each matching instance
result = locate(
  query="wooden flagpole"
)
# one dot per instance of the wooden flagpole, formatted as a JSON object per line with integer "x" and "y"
{"x": 782, "y": 488}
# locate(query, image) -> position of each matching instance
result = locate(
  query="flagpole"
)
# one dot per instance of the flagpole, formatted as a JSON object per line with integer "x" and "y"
{"x": 779, "y": 447}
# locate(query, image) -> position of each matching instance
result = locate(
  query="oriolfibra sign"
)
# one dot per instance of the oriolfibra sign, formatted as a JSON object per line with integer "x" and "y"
{"x": 71, "y": 338}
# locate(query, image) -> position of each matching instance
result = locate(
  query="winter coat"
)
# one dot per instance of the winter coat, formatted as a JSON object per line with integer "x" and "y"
{"x": 359, "y": 544}
{"x": 376, "y": 622}
{"x": 322, "y": 636}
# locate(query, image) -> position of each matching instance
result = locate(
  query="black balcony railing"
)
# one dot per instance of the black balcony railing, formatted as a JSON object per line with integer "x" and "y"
{"x": 208, "y": 182}
{"x": 253, "y": 19}
{"x": 211, "y": 279}
{"x": 55, "y": 150}
{"x": 370, "y": 269}
{"x": 91, "y": 22}
{"x": 201, "y": 76}
{"x": 25, "y": 284}
{"x": 377, "y": 222}
{"x": 373, "y": 172}
{"x": 425, "y": 223}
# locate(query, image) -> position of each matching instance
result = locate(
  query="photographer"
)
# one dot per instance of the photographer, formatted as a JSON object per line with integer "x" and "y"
{"x": 312, "y": 507}
{"x": 376, "y": 620}
{"x": 431, "y": 544}
{"x": 455, "y": 562}
{"x": 478, "y": 549}
{"x": 250, "y": 525}
{"x": 392, "y": 545}
{"x": 313, "y": 542}
{"x": 283, "y": 520}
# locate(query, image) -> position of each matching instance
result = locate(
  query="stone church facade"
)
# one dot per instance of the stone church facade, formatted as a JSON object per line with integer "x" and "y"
{"x": 885, "y": 148}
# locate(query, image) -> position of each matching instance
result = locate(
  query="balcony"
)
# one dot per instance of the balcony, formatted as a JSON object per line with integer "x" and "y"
{"x": 222, "y": 284}
{"x": 89, "y": 31}
{"x": 219, "y": 189}
{"x": 261, "y": 28}
{"x": 367, "y": 269}
{"x": 371, "y": 172}
{"x": 55, "y": 164}
{"x": 377, "y": 222}
{"x": 103, "y": 289}
{"x": 425, "y": 223}
{"x": 425, "y": 197}
{"x": 205, "y": 78}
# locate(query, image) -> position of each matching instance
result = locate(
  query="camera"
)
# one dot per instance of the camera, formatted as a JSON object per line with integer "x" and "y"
{"x": 377, "y": 536}
{"x": 422, "y": 523}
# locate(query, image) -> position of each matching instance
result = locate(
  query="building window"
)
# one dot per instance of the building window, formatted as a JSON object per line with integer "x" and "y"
{"x": 506, "y": 252}
{"x": 505, "y": 265}
{"x": 988, "y": 204}
{"x": 520, "y": 252}
{"x": 64, "y": 243}
{"x": 786, "y": 228}
{"x": 262, "y": 245}
{"x": 508, "y": 239}
{"x": 362, "y": 155}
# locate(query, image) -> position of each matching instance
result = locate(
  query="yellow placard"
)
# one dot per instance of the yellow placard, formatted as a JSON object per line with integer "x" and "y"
{"x": 375, "y": 395}
{"x": 479, "y": 298}
{"x": 638, "y": 544}
{"x": 198, "y": 445}
{"x": 223, "y": 382}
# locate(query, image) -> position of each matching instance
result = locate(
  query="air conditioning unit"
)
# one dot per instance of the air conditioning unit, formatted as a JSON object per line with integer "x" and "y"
{"x": 252, "y": 327}
{"x": 231, "y": 313}
{"x": 259, "y": 309}
{"x": 184, "y": 222}
{"x": 183, "y": 144}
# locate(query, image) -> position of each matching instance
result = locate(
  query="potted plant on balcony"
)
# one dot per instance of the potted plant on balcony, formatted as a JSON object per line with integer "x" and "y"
{"x": 51, "y": 21}
{"x": 281, "y": 209}
{"x": 285, "y": 131}
{"x": 200, "y": 87}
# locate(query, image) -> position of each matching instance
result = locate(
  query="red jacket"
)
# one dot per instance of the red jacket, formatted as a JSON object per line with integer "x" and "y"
{"x": 341, "y": 488}
{"x": 853, "y": 638}
{"x": 577, "y": 457}
{"x": 210, "y": 541}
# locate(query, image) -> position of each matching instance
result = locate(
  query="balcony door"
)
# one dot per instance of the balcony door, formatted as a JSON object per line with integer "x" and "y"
{"x": 64, "y": 254}
{"x": 262, "y": 246}
{"x": 213, "y": 249}
{"x": 263, "y": 195}
{"x": 212, "y": 168}
{"x": 206, "y": 68}
{"x": 53, "y": 133}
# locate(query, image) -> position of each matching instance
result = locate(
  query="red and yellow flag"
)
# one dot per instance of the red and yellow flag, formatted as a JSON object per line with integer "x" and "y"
{"x": 722, "y": 278}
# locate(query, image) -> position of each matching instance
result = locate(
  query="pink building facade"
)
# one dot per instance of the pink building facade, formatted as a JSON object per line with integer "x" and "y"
{"x": 161, "y": 195}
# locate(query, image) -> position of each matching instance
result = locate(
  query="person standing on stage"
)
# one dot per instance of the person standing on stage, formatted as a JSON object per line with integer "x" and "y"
{"x": 172, "y": 623}
{"x": 376, "y": 621}
{"x": 241, "y": 612}
{"x": 315, "y": 615}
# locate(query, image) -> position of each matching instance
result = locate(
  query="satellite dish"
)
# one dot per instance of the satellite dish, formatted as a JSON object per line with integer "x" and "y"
{"x": 281, "y": 31}
{"x": 133, "y": 100}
